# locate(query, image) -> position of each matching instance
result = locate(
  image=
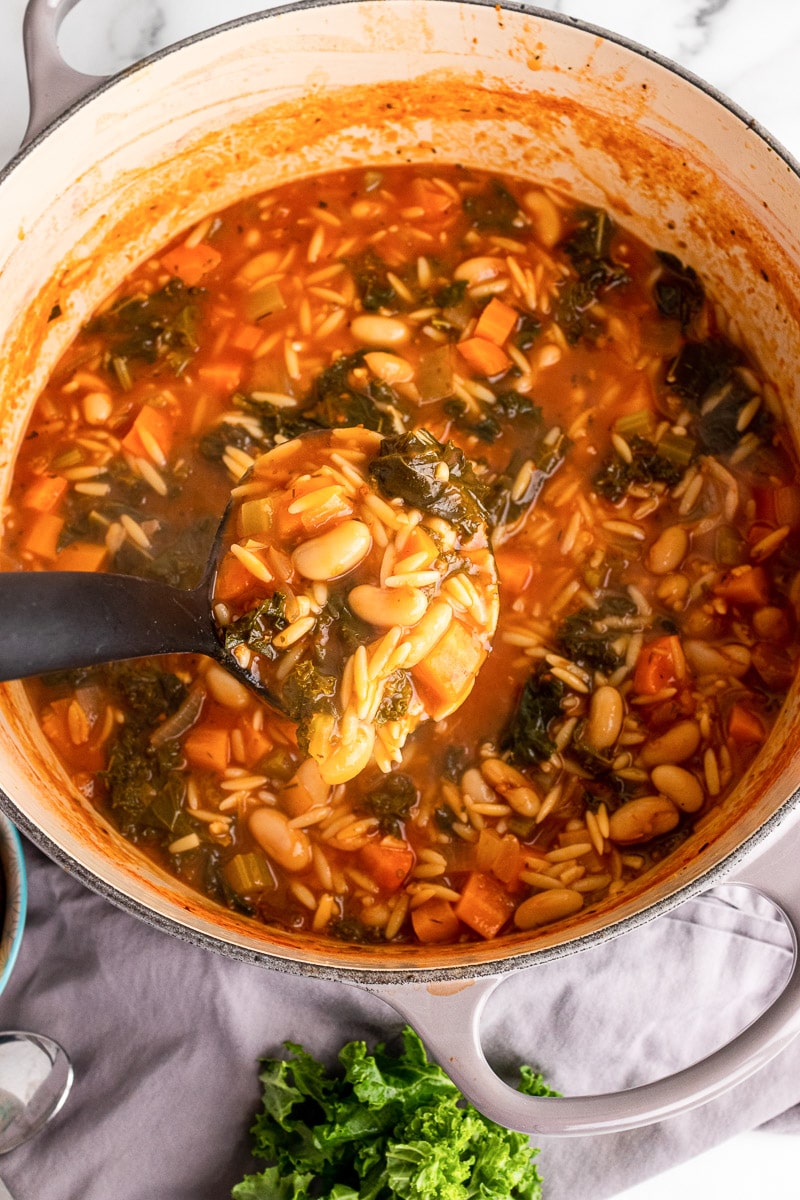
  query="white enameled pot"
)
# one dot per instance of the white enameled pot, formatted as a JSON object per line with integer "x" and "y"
{"x": 314, "y": 86}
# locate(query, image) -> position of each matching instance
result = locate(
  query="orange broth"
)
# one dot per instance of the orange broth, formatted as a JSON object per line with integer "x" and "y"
{"x": 643, "y": 503}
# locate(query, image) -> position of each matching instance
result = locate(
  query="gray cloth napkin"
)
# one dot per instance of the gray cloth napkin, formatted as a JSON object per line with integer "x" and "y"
{"x": 166, "y": 1037}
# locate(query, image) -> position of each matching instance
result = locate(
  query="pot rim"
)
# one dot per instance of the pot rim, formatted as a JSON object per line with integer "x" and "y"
{"x": 510, "y": 958}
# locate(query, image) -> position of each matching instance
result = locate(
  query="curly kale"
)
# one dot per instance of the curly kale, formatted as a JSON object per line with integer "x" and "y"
{"x": 345, "y": 394}
{"x": 526, "y": 738}
{"x": 258, "y": 627}
{"x": 160, "y": 328}
{"x": 306, "y": 692}
{"x": 392, "y": 800}
{"x": 585, "y": 639}
{"x": 588, "y": 248}
{"x": 647, "y": 465}
{"x": 494, "y": 209}
{"x": 397, "y": 693}
{"x": 678, "y": 292}
{"x": 371, "y": 276}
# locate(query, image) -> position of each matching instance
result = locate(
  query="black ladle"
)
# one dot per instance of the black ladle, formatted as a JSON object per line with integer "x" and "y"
{"x": 57, "y": 620}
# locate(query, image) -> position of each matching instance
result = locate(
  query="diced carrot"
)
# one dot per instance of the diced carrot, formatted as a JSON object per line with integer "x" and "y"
{"x": 496, "y": 322}
{"x": 744, "y": 725}
{"x": 151, "y": 432}
{"x": 483, "y": 356}
{"x": 333, "y": 510}
{"x": 207, "y": 747}
{"x": 82, "y": 556}
{"x": 420, "y": 542}
{"x": 233, "y": 579}
{"x": 445, "y": 676}
{"x": 744, "y": 585}
{"x": 42, "y": 535}
{"x": 509, "y": 861}
{"x": 191, "y": 263}
{"x": 388, "y": 863}
{"x": 257, "y": 744}
{"x": 222, "y": 375}
{"x": 430, "y": 197}
{"x": 661, "y": 664}
{"x": 515, "y": 569}
{"x": 435, "y": 921}
{"x": 45, "y": 493}
{"x": 484, "y": 905}
{"x": 246, "y": 338}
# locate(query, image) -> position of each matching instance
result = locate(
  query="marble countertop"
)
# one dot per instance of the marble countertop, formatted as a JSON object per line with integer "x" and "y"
{"x": 747, "y": 51}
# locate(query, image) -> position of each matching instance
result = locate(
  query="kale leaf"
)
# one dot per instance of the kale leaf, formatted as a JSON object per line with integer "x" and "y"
{"x": 371, "y": 276}
{"x": 588, "y": 248}
{"x": 344, "y": 394}
{"x": 258, "y": 627}
{"x": 493, "y": 210}
{"x": 158, "y": 328}
{"x": 306, "y": 692}
{"x": 704, "y": 375}
{"x": 397, "y": 693}
{"x": 585, "y": 639}
{"x": 678, "y": 292}
{"x": 383, "y": 1127}
{"x": 647, "y": 465}
{"x": 433, "y": 476}
{"x": 526, "y": 739}
{"x": 392, "y": 800}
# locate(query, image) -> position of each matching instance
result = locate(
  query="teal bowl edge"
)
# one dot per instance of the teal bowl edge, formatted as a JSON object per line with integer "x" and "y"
{"x": 16, "y": 897}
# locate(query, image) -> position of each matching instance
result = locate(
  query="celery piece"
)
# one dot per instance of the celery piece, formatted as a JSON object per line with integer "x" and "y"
{"x": 247, "y": 873}
{"x": 255, "y": 516}
{"x": 435, "y": 375}
{"x": 639, "y": 422}
{"x": 263, "y": 301}
{"x": 728, "y": 547}
{"x": 678, "y": 449}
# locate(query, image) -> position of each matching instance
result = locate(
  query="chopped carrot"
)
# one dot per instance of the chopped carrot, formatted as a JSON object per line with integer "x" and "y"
{"x": 436, "y": 921}
{"x": 496, "y": 322}
{"x": 483, "y": 356}
{"x": 333, "y": 510}
{"x": 744, "y": 725}
{"x": 257, "y": 744}
{"x": 445, "y": 676}
{"x": 233, "y": 579}
{"x": 45, "y": 493}
{"x": 431, "y": 198}
{"x": 150, "y": 434}
{"x": 515, "y": 569}
{"x": 661, "y": 664}
{"x": 207, "y": 747}
{"x": 420, "y": 542}
{"x": 82, "y": 556}
{"x": 484, "y": 905}
{"x": 42, "y": 536}
{"x": 388, "y": 863}
{"x": 191, "y": 263}
{"x": 246, "y": 338}
{"x": 744, "y": 585}
{"x": 222, "y": 375}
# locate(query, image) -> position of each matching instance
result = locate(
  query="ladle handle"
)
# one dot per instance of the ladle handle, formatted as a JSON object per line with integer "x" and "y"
{"x": 448, "y": 1015}
{"x": 53, "y": 86}
{"x": 54, "y": 620}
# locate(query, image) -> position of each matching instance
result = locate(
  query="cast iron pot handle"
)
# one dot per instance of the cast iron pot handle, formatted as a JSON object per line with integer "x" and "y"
{"x": 52, "y": 85}
{"x": 447, "y": 1017}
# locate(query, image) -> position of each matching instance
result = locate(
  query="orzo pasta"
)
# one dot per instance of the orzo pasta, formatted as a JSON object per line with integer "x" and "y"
{"x": 601, "y": 420}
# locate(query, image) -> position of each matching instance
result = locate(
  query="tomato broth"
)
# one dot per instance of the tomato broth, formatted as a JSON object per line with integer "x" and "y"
{"x": 639, "y": 492}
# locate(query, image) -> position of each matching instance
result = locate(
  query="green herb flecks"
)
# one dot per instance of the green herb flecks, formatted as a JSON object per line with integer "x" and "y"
{"x": 384, "y": 1127}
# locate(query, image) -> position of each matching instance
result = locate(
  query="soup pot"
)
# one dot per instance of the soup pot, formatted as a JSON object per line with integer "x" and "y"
{"x": 316, "y": 86}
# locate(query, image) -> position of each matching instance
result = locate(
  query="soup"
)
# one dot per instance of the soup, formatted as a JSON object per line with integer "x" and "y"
{"x": 641, "y": 497}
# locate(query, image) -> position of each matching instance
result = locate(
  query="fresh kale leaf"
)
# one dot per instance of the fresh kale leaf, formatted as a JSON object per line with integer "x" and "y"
{"x": 588, "y": 248}
{"x": 258, "y": 627}
{"x": 384, "y": 1127}
{"x": 371, "y": 276}
{"x": 392, "y": 800}
{"x": 345, "y": 394}
{"x": 585, "y": 639}
{"x": 305, "y": 692}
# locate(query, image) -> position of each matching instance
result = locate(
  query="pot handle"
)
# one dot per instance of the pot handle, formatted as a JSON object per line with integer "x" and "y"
{"x": 53, "y": 85}
{"x": 448, "y": 1015}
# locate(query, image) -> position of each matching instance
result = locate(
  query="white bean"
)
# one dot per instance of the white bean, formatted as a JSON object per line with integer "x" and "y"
{"x": 477, "y": 270}
{"x": 673, "y": 746}
{"x": 681, "y": 786}
{"x": 371, "y": 329}
{"x": 642, "y": 819}
{"x": 290, "y": 847}
{"x": 668, "y": 550}
{"x": 389, "y": 367}
{"x": 606, "y": 713}
{"x": 387, "y": 607}
{"x": 225, "y": 689}
{"x": 547, "y": 906}
{"x": 333, "y": 553}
